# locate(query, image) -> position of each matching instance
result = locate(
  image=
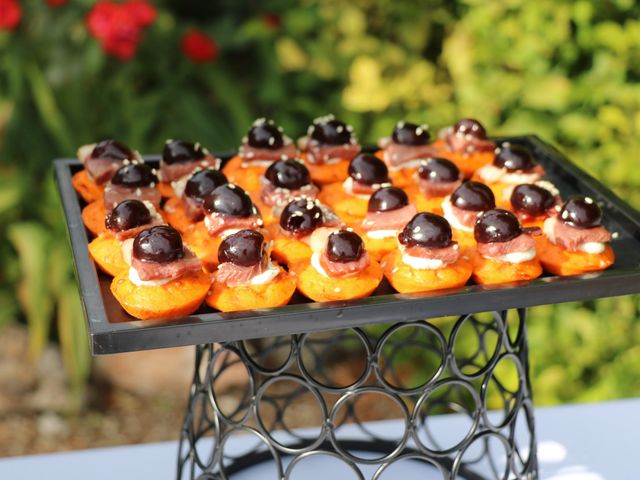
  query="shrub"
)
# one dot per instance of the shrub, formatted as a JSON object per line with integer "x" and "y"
{"x": 566, "y": 70}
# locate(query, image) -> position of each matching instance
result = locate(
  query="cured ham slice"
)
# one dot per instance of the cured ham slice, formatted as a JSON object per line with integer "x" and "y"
{"x": 467, "y": 143}
{"x": 446, "y": 255}
{"x": 389, "y": 220}
{"x": 217, "y": 223}
{"x": 344, "y": 269}
{"x": 175, "y": 171}
{"x": 115, "y": 194}
{"x": 276, "y": 196}
{"x": 437, "y": 189}
{"x": 234, "y": 275}
{"x": 170, "y": 270}
{"x": 465, "y": 217}
{"x": 250, "y": 154}
{"x": 396, "y": 154}
{"x": 521, "y": 243}
{"x": 318, "y": 154}
{"x": 570, "y": 238}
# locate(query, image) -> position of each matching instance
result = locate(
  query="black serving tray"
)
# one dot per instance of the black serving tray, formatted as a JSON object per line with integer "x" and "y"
{"x": 112, "y": 330}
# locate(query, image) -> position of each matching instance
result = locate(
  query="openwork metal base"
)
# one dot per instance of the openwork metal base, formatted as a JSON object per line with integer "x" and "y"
{"x": 458, "y": 390}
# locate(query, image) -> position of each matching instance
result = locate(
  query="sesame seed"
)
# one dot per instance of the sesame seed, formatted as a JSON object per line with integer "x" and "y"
{"x": 271, "y": 141}
{"x": 339, "y": 129}
{"x": 419, "y": 131}
{"x": 615, "y": 235}
{"x": 588, "y": 200}
{"x": 169, "y": 140}
{"x": 565, "y": 215}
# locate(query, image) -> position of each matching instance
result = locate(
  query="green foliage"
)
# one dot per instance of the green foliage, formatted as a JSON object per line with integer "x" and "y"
{"x": 566, "y": 70}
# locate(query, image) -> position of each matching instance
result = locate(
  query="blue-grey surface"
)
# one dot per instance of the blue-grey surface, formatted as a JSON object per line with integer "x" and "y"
{"x": 576, "y": 442}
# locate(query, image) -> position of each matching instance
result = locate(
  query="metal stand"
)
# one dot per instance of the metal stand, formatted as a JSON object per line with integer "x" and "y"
{"x": 340, "y": 380}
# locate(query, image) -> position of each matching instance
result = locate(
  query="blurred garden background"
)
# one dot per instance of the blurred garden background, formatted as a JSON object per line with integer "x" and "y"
{"x": 73, "y": 72}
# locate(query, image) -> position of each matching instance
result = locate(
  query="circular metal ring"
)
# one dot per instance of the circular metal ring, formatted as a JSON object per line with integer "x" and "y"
{"x": 353, "y": 395}
{"x": 475, "y": 416}
{"x": 302, "y": 340}
{"x": 301, "y": 457}
{"x": 379, "y": 351}
{"x": 263, "y": 429}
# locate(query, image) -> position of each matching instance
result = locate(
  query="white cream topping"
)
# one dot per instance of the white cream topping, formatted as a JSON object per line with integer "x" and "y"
{"x": 228, "y": 231}
{"x": 518, "y": 178}
{"x": 447, "y": 210}
{"x": 493, "y": 174}
{"x": 378, "y": 234}
{"x": 207, "y": 222}
{"x": 84, "y": 152}
{"x": 549, "y": 229}
{"x": 135, "y": 279}
{"x": 257, "y": 163}
{"x": 180, "y": 184}
{"x": 127, "y": 249}
{"x": 592, "y": 247}
{"x": 315, "y": 263}
{"x": 318, "y": 238}
{"x": 416, "y": 163}
{"x": 547, "y": 185}
{"x": 347, "y": 186}
{"x": 152, "y": 210}
{"x": 515, "y": 257}
{"x": 271, "y": 272}
{"x": 420, "y": 263}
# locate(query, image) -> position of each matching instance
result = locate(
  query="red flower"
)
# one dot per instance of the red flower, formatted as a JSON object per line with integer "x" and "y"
{"x": 143, "y": 11}
{"x": 272, "y": 20}
{"x": 55, "y": 3}
{"x": 199, "y": 47}
{"x": 10, "y": 14}
{"x": 118, "y": 26}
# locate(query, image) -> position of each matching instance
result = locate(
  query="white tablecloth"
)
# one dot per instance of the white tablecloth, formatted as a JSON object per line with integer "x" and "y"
{"x": 575, "y": 442}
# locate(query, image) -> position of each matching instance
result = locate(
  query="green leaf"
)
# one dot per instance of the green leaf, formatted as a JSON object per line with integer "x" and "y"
{"x": 31, "y": 241}
{"x": 50, "y": 114}
{"x": 73, "y": 338}
{"x": 8, "y": 307}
